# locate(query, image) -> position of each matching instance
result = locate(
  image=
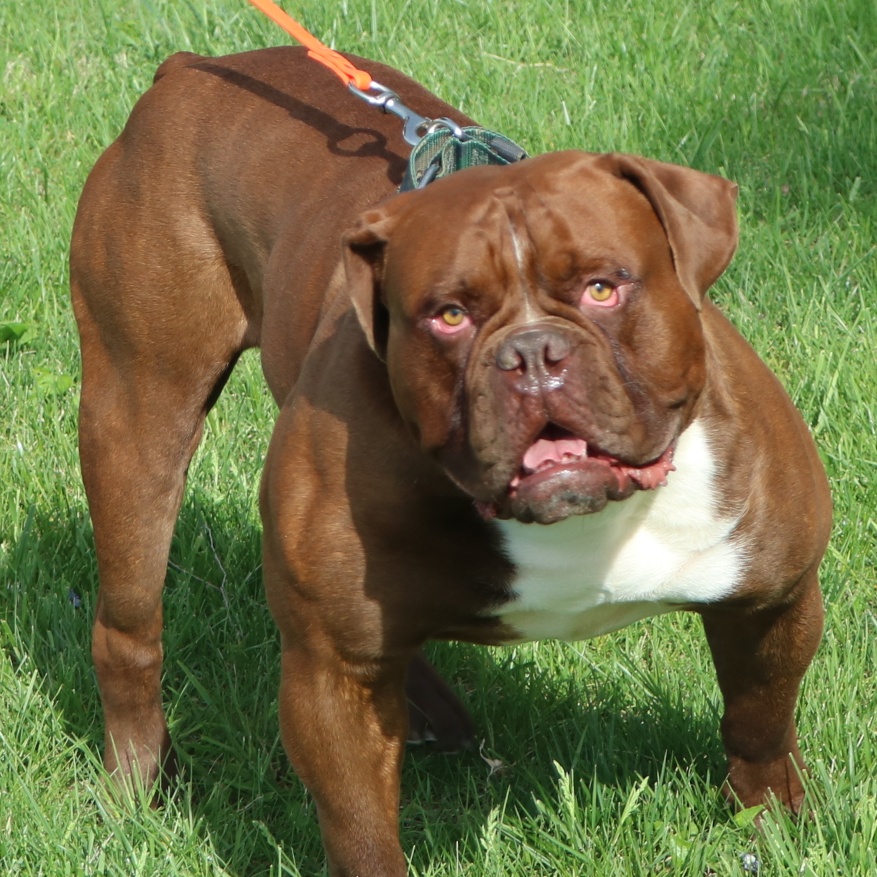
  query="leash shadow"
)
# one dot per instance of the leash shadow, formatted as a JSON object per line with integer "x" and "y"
{"x": 341, "y": 139}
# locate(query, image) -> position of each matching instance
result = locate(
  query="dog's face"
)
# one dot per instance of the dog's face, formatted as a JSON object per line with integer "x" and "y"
{"x": 540, "y": 322}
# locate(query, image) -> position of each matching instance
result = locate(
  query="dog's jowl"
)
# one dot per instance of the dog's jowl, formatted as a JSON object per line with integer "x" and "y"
{"x": 506, "y": 412}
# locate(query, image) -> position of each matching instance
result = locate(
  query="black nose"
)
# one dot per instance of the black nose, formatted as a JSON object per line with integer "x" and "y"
{"x": 533, "y": 351}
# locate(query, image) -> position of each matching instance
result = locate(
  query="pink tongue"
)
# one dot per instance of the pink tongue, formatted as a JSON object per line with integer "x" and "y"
{"x": 546, "y": 451}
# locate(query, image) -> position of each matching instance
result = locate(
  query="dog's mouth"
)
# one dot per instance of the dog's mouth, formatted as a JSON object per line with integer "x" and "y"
{"x": 557, "y": 449}
{"x": 562, "y": 470}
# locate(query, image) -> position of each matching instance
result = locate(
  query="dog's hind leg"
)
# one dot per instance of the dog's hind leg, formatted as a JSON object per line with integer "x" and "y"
{"x": 161, "y": 326}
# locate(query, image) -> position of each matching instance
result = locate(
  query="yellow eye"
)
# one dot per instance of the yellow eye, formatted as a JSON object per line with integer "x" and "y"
{"x": 600, "y": 291}
{"x": 453, "y": 316}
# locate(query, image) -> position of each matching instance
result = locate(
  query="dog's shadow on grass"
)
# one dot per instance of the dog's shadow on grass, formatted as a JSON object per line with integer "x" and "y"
{"x": 220, "y": 685}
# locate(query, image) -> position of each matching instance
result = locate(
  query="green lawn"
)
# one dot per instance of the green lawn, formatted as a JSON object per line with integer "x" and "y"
{"x": 610, "y": 749}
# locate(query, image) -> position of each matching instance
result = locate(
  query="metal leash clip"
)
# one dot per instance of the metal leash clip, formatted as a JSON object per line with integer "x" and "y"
{"x": 438, "y": 146}
{"x": 415, "y": 126}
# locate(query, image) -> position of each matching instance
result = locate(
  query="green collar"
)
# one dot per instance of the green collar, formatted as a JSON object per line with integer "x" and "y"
{"x": 446, "y": 148}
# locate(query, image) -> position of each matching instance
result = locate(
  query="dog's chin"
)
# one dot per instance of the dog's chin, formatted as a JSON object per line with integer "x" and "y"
{"x": 559, "y": 490}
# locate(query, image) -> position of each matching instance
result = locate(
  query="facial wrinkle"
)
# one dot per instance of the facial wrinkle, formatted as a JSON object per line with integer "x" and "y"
{"x": 522, "y": 247}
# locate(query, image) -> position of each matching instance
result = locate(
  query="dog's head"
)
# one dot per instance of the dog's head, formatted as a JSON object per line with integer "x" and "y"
{"x": 540, "y": 322}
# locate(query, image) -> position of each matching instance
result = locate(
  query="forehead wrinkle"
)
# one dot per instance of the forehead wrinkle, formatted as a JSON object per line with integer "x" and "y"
{"x": 522, "y": 246}
{"x": 560, "y": 233}
{"x": 477, "y": 256}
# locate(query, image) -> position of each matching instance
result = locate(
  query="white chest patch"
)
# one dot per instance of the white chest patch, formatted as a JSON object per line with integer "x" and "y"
{"x": 645, "y": 555}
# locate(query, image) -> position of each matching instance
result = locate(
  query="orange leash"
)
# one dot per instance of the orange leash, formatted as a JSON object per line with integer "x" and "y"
{"x": 429, "y": 137}
{"x": 357, "y": 81}
{"x": 338, "y": 64}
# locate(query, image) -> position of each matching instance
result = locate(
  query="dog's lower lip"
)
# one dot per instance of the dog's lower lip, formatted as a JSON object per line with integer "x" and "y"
{"x": 628, "y": 478}
{"x": 646, "y": 476}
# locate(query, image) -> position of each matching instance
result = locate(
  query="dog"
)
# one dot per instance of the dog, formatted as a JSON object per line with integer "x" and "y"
{"x": 507, "y": 412}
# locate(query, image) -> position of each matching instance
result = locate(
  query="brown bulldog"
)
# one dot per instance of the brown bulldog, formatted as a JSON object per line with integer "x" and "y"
{"x": 507, "y": 412}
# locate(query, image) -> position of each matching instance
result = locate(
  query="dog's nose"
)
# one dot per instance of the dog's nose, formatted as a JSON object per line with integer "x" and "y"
{"x": 533, "y": 351}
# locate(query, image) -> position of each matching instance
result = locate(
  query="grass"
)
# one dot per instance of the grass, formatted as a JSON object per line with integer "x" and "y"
{"x": 610, "y": 754}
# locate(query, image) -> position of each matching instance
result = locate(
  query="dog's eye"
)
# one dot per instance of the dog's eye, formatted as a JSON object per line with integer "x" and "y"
{"x": 453, "y": 316}
{"x": 600, "y": 293}
{"x": 451, "y": 320}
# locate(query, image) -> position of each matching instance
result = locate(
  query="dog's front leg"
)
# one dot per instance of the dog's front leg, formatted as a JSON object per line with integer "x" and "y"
{"x": 344, "y": 730}
{"x": 343, "y": 709}
{"x": 343, "y": 723}
{"x": 760, "y": 657}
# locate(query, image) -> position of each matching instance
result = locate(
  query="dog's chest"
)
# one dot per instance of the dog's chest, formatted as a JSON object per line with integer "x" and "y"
{"x": 643, "y": 556}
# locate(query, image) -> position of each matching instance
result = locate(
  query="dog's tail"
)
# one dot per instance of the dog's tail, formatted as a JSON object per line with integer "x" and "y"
{"x": 177, "y": 60}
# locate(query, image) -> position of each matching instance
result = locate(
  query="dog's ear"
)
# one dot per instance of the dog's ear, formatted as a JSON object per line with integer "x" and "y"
{"x": 364, "y": 255}
{"x": 697, "y": 211}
